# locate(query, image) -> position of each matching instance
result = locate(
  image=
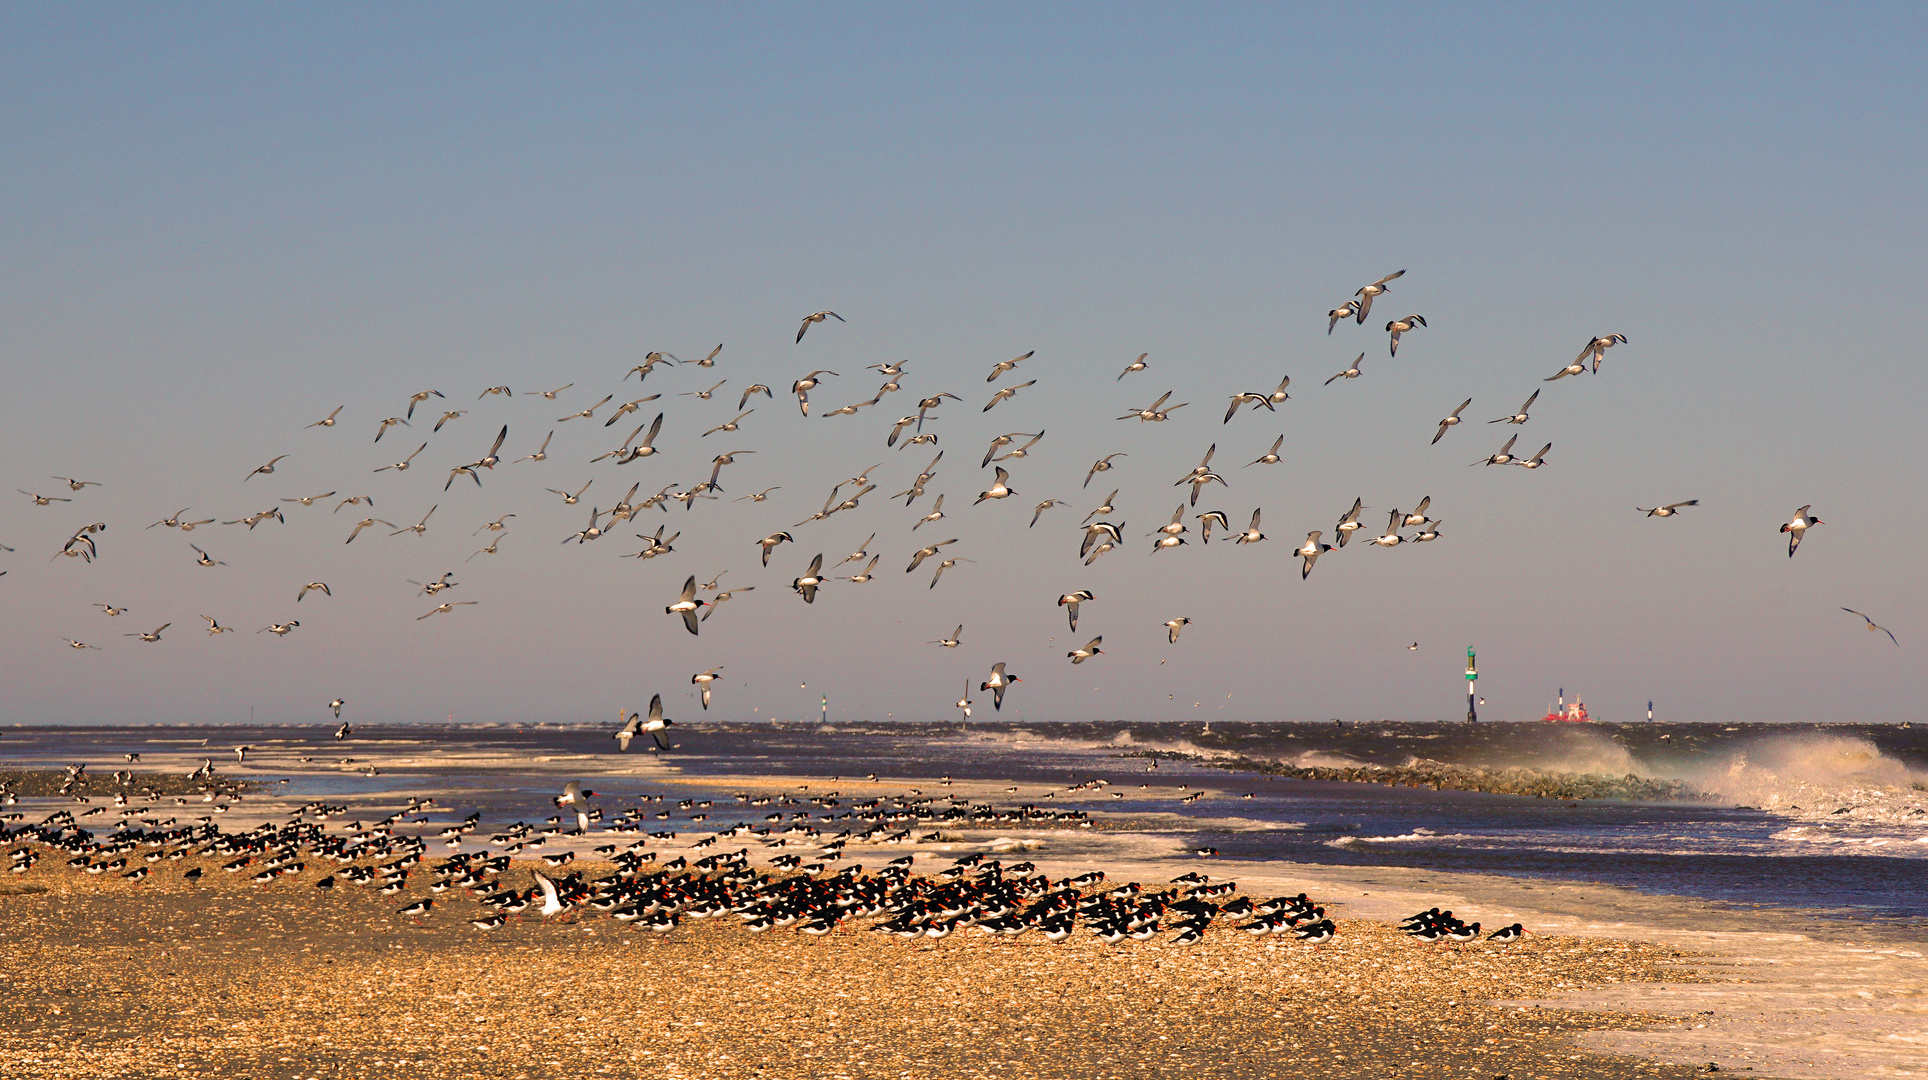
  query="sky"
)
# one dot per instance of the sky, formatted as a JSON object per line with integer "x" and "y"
{"x": 219, "y": 223}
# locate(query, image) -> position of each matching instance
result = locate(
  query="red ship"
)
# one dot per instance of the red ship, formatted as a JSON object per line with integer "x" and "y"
{"x": 1563, "y": 713}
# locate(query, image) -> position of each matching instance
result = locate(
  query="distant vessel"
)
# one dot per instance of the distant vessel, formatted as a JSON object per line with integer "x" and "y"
{"x": 1563, "y": 713}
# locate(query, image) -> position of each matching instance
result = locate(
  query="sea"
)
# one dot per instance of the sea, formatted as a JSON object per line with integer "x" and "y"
{"x": 1827, "y": 820}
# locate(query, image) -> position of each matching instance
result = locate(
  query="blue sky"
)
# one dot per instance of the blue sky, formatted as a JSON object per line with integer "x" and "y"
{"x": 221, "y": 223}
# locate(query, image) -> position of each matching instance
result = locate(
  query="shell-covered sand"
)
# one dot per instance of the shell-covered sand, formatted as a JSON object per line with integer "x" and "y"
{"x": 101, "y": 977}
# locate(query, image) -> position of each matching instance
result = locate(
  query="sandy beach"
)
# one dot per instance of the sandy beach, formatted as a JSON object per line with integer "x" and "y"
{"x": 164, "y": 978}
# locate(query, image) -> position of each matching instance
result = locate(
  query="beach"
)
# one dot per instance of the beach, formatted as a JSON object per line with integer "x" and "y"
{"x": 228, "y": 976}
{"x": 108, "y": 978}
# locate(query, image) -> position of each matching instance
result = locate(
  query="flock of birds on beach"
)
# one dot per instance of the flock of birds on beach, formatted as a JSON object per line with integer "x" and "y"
{"x": 1102, "y": 531}
{"x": 794, "y": 890}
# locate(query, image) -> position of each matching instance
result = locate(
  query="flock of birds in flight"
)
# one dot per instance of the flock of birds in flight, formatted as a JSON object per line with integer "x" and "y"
{"x": 1099, "y": 533}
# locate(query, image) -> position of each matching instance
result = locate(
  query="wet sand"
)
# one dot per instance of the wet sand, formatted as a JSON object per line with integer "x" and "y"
{"x": 108, "y": 978}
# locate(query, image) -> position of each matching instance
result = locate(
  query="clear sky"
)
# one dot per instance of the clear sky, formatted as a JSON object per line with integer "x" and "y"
{"x": 218, "y": 223}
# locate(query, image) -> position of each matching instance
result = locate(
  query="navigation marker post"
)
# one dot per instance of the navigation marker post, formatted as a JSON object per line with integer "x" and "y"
{"x": 1472, "y": 683}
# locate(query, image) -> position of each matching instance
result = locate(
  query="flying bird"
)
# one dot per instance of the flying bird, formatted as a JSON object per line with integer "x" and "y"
{"x": 811, "y": 580}
{"x": 1537, "y": 460}
{"x": 1367, "y": 292}
{"x": 1038, "y": 511}
{"x": 816, "y": 317}
{"x": 1311, "y": 550}
{"x": 1597, "y": 348}
{"x": 1505, "y": 455}
{"x": 401, "y": 465}
{"x": 997, "y": 684}
{"x": 946, "y": 565}
{"x": 1872, "y": 626}
{"x": 264, "y": 470}
{"x": 322, "y": 586}
{"x": 1668, "y": 510}
{"x": 687, "y": 603}
{"x": 1450, "y": 420}
{"x": 1520, "y": 417}
{"x": 1155, "y": 411}
{"x": 1103, "y": 464}
{"x": 802, "y": 388}
{"x": 1798, "y": 527}
{"x": 446, "y": 607}
{"x": 1349, "y": 373}
{"x": 1135, "y": 365}
{"x": 1000, "y": 488}
{"x": 1003, "y": 366}
{"x": 359, "y": 526}
{"x": 1070, "y": 601}
{"x": 1399, "y": 327}
{"x": 541, "y": 454}
{"x": 1091, "y": 649}
{"x": 1007, "y": 393}
{"x": 702, "y": 680}
{"x": 1173, "y": 626}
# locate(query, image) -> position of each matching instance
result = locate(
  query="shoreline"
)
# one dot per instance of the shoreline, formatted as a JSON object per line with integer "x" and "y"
{"x": 1611, "y": 983}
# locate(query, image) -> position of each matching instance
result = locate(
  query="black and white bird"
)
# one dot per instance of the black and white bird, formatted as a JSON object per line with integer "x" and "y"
{"x": 1450, "y": 420}
{"x": 687, "y": 604}
{"x": 1367, "y": 292}
{"x": 1091, "y": 649}
{"x": 703, "y": 680}
{"x": 1311, "y": 550}
{"x": 1070, "y": 601}
{"x": 1797, "y": 528}
{"x": 814, "y": 318}
{"x": 1597, "y": 348}
{"x": 807, "y": 585}
{"x": 1504, "y": 457}
{"x": 1668, "y": 510}
{"x": 1520, "y": 417}
{"x": 1400, "y": 327}
{"x": 1349, "y": 373}
{"x": 997, "y": 684}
